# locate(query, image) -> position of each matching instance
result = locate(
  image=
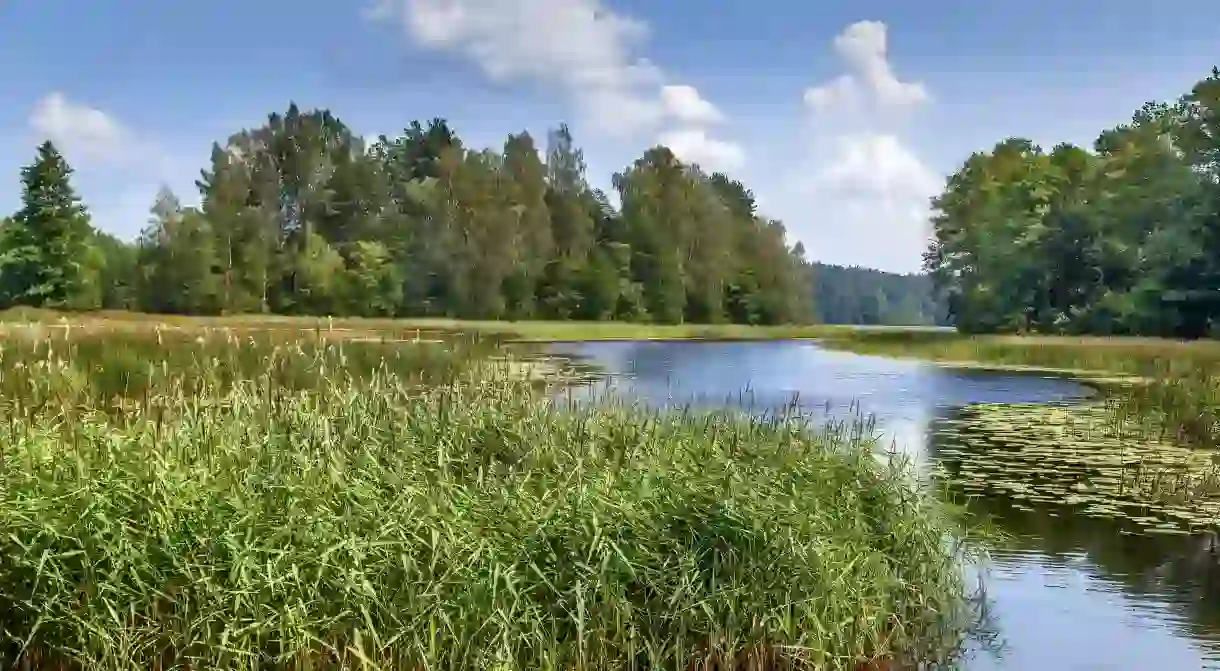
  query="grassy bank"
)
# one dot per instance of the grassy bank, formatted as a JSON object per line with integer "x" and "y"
{"x": 1117, "y": 355}
{"x": 209, "y": 500}
{"x": 530, "y": 331}
{"x": 1167, "y": 387}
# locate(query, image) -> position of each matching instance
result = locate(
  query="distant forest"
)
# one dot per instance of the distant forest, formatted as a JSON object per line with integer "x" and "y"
{"x": 851, "y": 295}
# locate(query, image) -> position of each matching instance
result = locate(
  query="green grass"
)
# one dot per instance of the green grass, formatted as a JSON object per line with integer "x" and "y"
{"x": 213, "y": 500}
{"x": 1116, "y": 355}
{"x": 1170, "y": 388}
{"x": 107, "y": 367}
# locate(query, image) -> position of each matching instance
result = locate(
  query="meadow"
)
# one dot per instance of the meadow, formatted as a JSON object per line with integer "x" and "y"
{"x": 307, "y": 494}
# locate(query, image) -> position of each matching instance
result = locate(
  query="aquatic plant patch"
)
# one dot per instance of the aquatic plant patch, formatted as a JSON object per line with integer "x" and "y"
{"x": 1073, "y": 455}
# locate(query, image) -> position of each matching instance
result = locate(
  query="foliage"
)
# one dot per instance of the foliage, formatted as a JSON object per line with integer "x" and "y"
{"x": 850, "y": 295}
{"x": 298, "y": 216}
{"x": 1124, "y": 239}
{"x": 280, "y": 504}
{"x": 44, "y": 247}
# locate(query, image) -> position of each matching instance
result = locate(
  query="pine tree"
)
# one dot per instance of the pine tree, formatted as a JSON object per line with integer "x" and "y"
{"x": 45, "y": 244}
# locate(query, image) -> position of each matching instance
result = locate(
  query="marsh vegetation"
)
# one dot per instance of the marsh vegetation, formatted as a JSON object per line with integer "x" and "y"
{"x": 200, "y": 498}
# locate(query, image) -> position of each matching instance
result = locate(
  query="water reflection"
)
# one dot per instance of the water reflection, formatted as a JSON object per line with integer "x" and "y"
{"x": 1066, "y": 591}
{"x": 1062, "y": 579}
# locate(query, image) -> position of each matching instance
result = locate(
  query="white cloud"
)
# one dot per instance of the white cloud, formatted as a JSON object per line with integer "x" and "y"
{"x": 685, "y": 104}
{"x": 862, "y": 195}
{"x": 118, "y": 170}
{"x": 693, "y": 145}
{"x": 870, "y": 77}
{"x": 81, "y": 131}
{"x": 876, "y": 167}
{"x": 579, "y": 46}
{"x": 863, "y": 201}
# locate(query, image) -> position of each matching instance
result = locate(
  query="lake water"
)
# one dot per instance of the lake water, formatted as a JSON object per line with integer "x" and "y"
{"x": 1066, "y": 592}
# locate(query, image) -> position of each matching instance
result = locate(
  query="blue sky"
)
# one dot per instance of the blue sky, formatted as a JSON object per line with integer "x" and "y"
{"x": 843, "y": 117}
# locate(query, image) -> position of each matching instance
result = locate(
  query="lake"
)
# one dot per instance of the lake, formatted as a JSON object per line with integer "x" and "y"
{"x": 1065, "y": 591}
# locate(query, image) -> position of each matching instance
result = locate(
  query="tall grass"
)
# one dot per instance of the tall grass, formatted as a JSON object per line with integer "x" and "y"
{"x": 70, "y": 364}
{"x": 309, "y": 511}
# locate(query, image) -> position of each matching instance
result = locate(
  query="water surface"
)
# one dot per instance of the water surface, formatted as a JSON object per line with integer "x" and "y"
{"x": 1066, "y": 592}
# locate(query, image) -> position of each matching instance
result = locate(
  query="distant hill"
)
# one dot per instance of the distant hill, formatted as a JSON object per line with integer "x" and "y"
{"x": 853, "y": 295}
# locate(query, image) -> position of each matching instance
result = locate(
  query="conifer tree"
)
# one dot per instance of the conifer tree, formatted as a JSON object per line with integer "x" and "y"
{"x": 44, "y": 245}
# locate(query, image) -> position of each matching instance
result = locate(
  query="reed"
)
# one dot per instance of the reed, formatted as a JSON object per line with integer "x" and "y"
{"x": 316, "y": 504}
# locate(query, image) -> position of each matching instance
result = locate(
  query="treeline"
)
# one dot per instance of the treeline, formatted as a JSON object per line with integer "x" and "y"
{"x": 1122, "y": 239}
{"x": 301, "y": 217}
{"x": 864, "y": 296}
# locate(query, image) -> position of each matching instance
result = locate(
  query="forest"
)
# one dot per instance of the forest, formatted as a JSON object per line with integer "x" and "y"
{"x": 865, "y": 296}
{"x": 1122, "y": 238}
{"x": 299, "y": 216}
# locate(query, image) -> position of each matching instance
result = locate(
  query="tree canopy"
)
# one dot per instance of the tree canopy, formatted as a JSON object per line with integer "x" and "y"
{"x": 302, "y": 216}
{"x": 1120, "y": 239}
{"x": 44, "y": 256}
{"x": 864, "y": 296}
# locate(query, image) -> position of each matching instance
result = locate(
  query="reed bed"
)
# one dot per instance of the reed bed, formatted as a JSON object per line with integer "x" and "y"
{"x": 226, "y": 504}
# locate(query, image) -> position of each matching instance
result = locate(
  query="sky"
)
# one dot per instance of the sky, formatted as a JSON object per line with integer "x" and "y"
{"x": 843, "y": 117}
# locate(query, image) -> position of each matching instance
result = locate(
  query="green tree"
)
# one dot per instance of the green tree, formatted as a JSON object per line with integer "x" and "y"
{"x": 45, "y": 244}
{"x": 373, "y": 284}
{"x": 180, "y": 271}
{"x": 1124, "y": 239}
{"x": 526, "y": 178}
{"x": 299, "y": 216}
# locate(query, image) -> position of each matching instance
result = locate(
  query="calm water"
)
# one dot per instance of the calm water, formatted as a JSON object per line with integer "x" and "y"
{"x": 1068, "y": 592}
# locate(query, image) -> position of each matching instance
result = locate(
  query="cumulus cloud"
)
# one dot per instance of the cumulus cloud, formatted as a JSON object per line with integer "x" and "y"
{"x": 870, "y": 79}
{"x": 85, "y": 132}
{"x": 863, "y": 199}
{"x": 877, "y": 167}
{"x": 875, "y": 192}
{"x": 693, "y": 145}
{"x": 578, "y": 46}
{"x": 685, "y": 104}
{"x": 863, "y": 190}
{"x": 118, "y": 171}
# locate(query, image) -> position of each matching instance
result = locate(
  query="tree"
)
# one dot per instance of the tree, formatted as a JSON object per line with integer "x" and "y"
{"x": 1124, "y": 239}
{"x": 851, "y": 295}
{"x": 373, "y": 284}
{"x": 653, "y": 192}
{"x": 527, "y": 194}
{"x": 44, "y": 247}
{"x": 180, "y": 271}
{"x": 298, "y": 216}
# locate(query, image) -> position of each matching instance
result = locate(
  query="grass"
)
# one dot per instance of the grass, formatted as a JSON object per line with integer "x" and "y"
{"x": 210, "y": 498}
{"x": 1117, "y": 355}
{"x": 1166, "y": 388}
{"x": 524, "y": 331}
